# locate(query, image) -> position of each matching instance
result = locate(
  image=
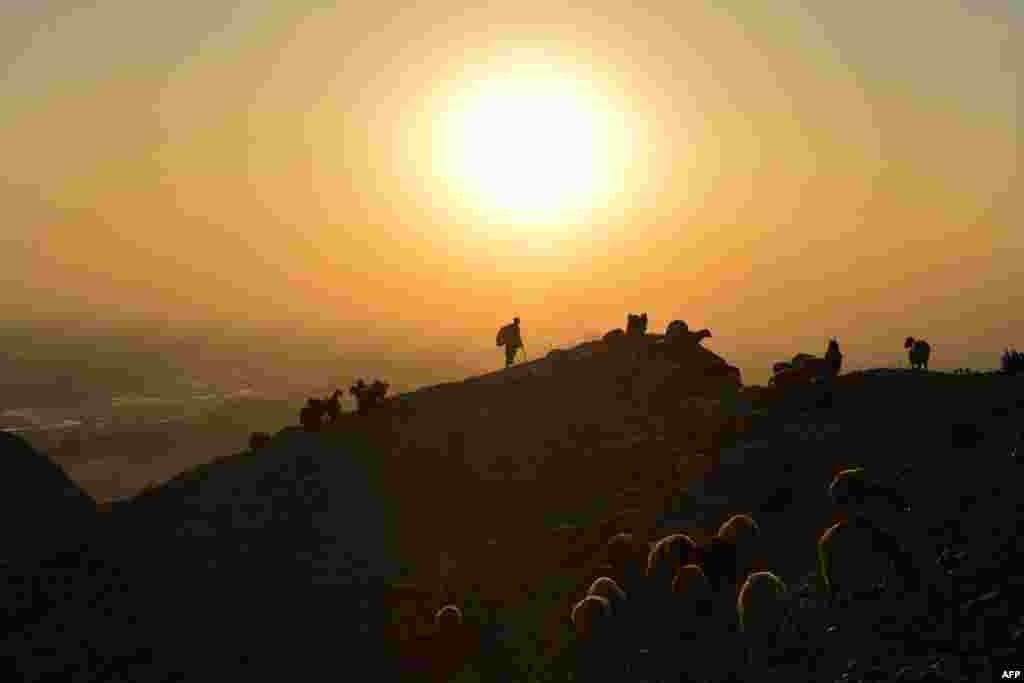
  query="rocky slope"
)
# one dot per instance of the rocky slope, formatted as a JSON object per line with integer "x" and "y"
{"x": 499, "y": 493}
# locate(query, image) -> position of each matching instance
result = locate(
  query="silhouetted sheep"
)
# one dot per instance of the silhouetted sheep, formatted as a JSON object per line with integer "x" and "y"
{"x": 677, "y": 332}
{"x": 597, "y": 654}
{"x": 743, "y": 534}
{"x": 448, "y": 617}
{"x": 852, "y": 492}
{"x": 848, "y": 486}
{"x": 258, "y": 440}
{"x": 919, "y": 352}
{"x": 590, "y": 617}
{"x": 762, "y": 608}
{"x": 628, "y": 559}
{"x": 332, "y": 406}
{"x": 636, "y": 325}
{"x": 857, "y": 558}
{"x": 608, "y": 589}
{"x": 368, "y": 397}
{"x": 619, "y": 625}
{"x": 696, "y": 632}
{"x": 693, "y": 590}
{"x": 805, "y": 368}
{"x": 312, "y": 415}
{"x": 666, "y": 557}
{"x": 451, "y": 645}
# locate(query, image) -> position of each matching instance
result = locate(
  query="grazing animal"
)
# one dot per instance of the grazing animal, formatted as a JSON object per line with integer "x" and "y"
{"x": 678, "y": 332}
{"x": 858, "y": 559}
{"x": 618, "y": 607}
{"x": 805, "y": 368}
{"x": 596, "y": 654}
{"x": 743, "y": 534}
{"x": 666, "y": 557}
{"x": 312, "y": 415}
{"x": 852, "y": 492}
{"x": 692, "y": 589}
{"x": 636, "y": 325}
{"x": 451, "y": 645}
{"x": 368, "y": 397}
{"x": 448, "y": 617}
{"x": 762, "y": 609}
{"x": 918, "y": 351}
{"x": 627, "y": 556}
{"x": 689, "y": 633}
{"x": 590, "y": 617}
{"x": 332, "y": 406}
{"x": 606, "y": 588}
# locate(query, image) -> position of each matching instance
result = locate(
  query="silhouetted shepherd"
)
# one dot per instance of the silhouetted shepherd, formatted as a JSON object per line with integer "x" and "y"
{"x": 636, "y": 325}
{"x": 919, "y": 351}
{"x": 511, "y": 338}
{"x": 312, "y": 415}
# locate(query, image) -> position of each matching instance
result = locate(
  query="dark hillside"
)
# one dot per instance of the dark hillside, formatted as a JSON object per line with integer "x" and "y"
{"x": 498, "y": 494}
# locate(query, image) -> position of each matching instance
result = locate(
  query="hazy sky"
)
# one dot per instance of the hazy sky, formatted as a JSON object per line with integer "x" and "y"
{"x": 779, "y": 172}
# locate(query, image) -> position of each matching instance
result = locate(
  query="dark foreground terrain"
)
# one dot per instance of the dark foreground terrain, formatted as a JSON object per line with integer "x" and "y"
{"x": 323, "y": 556}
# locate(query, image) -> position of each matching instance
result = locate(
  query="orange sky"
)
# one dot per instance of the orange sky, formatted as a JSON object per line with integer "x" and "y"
{"x": 850, "y": 171}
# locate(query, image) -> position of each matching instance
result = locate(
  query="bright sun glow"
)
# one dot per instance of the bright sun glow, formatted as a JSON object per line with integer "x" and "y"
{"x": 530, "y": 150}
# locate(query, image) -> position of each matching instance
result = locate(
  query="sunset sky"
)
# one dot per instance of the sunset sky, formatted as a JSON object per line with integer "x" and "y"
{"x": 779, "y": 172}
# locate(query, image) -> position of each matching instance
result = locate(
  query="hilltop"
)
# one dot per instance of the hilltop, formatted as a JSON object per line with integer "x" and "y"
{"x": 498, "y": 493}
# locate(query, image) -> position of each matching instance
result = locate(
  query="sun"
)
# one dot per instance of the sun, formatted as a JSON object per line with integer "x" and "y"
{"x": 529, "y": 149}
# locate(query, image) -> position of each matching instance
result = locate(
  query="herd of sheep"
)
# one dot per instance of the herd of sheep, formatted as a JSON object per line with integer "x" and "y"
{"x": 662, "y": 611}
